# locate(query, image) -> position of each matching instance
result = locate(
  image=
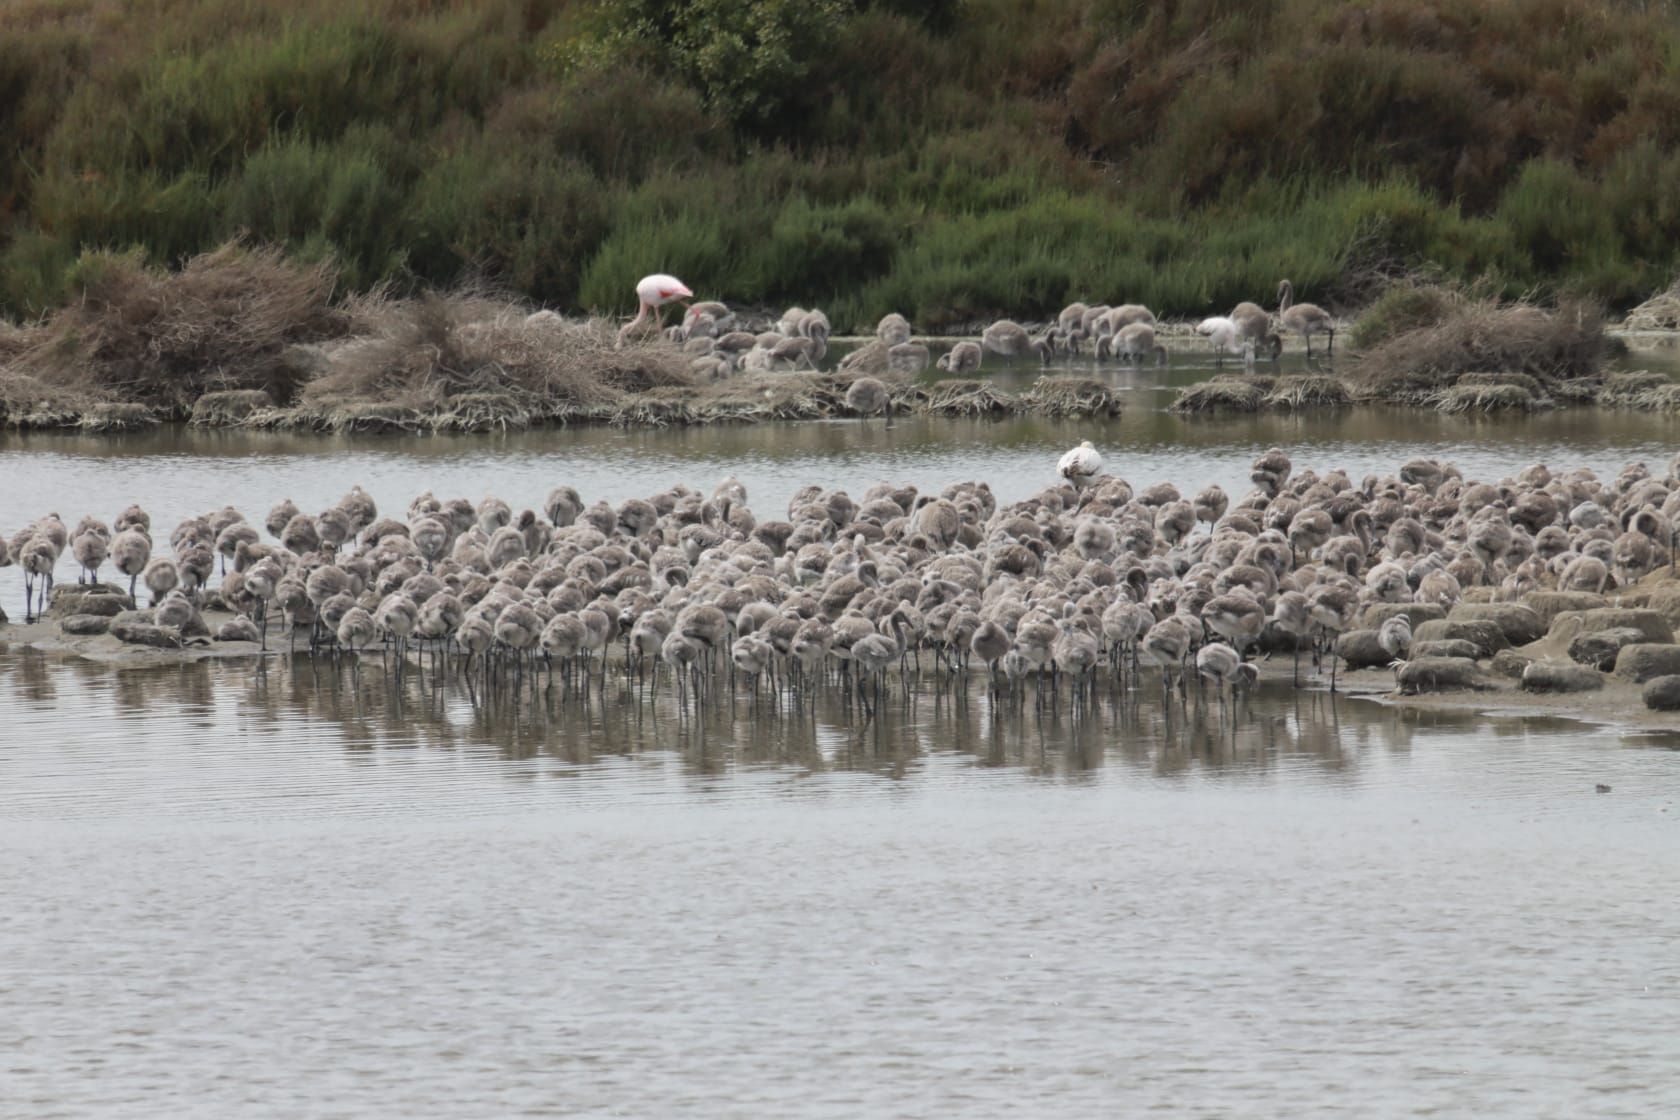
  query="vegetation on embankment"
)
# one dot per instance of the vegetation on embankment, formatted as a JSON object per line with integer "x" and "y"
{"x": 243, "y": 337}
{"x": 1433, "y": 346}
{"x": 951, "y": 160}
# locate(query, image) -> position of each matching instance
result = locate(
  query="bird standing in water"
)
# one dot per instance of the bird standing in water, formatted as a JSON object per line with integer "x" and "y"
{"x": 654, "y": 292}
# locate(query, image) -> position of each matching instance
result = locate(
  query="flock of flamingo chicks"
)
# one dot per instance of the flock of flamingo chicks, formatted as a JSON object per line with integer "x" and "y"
{"x": 719, "y": 346}
{"x": 1090, "y": 576}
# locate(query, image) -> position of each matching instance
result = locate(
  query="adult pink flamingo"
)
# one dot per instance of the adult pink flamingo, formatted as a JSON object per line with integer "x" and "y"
{"x": 655, "y": 292}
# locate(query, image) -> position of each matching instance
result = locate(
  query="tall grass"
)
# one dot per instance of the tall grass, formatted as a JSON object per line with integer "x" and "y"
{"x": 948, "y": 160}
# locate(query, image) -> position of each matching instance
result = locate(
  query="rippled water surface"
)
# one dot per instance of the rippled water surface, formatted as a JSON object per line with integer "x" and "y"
{"x": 176, "y": 472}
{"x": 311, "y": 890}
{"x": 304, "y": 889}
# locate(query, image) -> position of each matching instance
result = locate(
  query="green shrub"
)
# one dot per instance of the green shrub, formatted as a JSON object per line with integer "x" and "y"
{"x": 948, "y": 160}
{"x": 1402, "y": 308}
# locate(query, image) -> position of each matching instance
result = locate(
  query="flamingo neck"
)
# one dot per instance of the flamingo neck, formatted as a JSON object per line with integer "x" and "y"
{"x": 624, "y": 331}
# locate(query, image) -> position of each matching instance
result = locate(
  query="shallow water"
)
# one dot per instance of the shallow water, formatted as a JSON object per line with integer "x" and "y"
{"x": 300, "y": 890}
{"x": 307, "y": 891}
{"x": 175, "y": 471}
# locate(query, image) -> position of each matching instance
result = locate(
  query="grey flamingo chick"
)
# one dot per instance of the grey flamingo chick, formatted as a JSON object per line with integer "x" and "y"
{"x": 1221, "y": 664}
{"x": 1305, "y": 319}
{"x": 131, "y": 552}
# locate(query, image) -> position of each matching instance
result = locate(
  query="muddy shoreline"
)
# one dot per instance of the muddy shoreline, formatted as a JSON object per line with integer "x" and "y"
{"x": 1617, "y": 704}
{"x": 745, "y": 400}
{"x": 793, "y": 396}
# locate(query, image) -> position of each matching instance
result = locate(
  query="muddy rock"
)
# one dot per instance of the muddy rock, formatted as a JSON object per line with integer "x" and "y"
{"x": 102, "y": 599}
{"x": 1360, "y": 650}
{"x": 1649, "y": 623}
{"x": 1511, "y": 663}
{"x": 1549, "y": 604}
{"x": 1520, "y": 624}
{"x": 1447, "y": 647}
{"x": 147, "y": 634}
{"x": 237, "y": 630}
{"x": 143, "y": 617}
{"x": 1560, "y": 676}
{"x": 1665, "y": 600}
{"x": 83, "y": 624}
{"x": 1662, "y": 694}
{"x": 1642, "y": 661}
{"x": 1274, "y": 640}
{"x": 1438, "y": 674}
{"x": 1416, "y": 613}
{"x": 1600, "y": 647}
{"x": 1482, "y": 633}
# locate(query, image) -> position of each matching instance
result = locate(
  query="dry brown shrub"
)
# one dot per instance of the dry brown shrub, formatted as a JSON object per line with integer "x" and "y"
{"x": 16, "y": 339}
{"x": 422, "y": 353}
{"x": 163, "y": 339}
{"x": 1418, "y": 364}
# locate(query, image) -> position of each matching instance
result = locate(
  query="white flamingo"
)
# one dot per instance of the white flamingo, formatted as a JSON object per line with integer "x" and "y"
{"x": 1227, "y": 338}
{"x": 654, "y": 292}
{"x": 1081, "y": 465}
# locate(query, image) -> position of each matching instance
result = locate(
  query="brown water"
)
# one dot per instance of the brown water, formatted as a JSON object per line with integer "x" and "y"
{"x": 302, "y": 890}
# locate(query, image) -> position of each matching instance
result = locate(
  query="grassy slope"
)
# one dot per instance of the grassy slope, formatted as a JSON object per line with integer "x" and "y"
{"x": 951, "y": 160}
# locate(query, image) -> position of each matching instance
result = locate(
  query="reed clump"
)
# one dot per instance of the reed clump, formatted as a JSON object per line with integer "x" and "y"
{"x": 1660, "y": 398}
{"x": 968, "y": 397}
{"x": 229, "y": 408}
{"x": 1224, "y": 393}
{"x": 1071, "y": 397}
{"x": 1643, "y": 390}
{"x": 1622, "y": 390}
{"x": 1659, "y": 313}
{"x": 1302, "y": 392}
{"x": 116, "y": 417}
{"x": 1418, "y": 364}
{"x": 1489, "y": 396}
